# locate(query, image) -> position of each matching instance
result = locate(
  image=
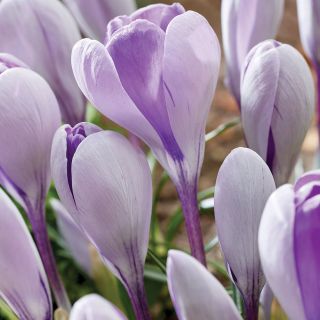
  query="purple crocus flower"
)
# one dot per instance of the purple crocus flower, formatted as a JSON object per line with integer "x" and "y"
{"x": 23, "y": 282}
{"x": 156, "y": 77}
{"x": 245, "y": 23}
{"x": 75, "y": 239}
{"x": 105, "y": 184}
{"x": 94, "y": 307}
{"x": 93, "y": 16}
{"x": 277, "y": 104}
{"x": 244, "y": 184}
{"x": 195, "y": 293}
{"x": 42, "y": 33}
{"x": 289, "y": 246}
{"x": 29, "y": 117}
{"x": 309, "y": 26}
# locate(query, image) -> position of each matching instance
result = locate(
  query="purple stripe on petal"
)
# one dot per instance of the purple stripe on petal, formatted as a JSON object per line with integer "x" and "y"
{"x": 307, "y": 258}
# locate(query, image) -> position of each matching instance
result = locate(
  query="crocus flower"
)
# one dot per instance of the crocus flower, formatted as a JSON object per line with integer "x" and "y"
{"x": 156, "y": 77}
{"x": 93, "y": 16}
{"x": 244, "y": 183}
{"x": 245, "y": 23}
{"x": 105, "y": 184}
{"x": 23, "y": 283}
{"x": 195, "y": 293}
{"x": 309, "y": 24}
{"x": 93, "y": 307}
{"x": 42, "y": 33}
{"x": 289, "y": 246}
{"x": 29, "y": 117}
{"x": 277, "y": 103}
{"x": 75, "y": 239}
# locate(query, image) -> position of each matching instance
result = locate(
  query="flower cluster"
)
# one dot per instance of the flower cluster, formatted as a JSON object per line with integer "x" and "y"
{"x": 154, "y": 72}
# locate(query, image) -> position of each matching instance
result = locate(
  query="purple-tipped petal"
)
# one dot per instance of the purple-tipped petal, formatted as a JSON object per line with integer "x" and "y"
{"x": 306, "y": 251}
{"x": 94, "y": 15}
{"x": 276, "y": 251}
{"x": 159, "y": 14}
{"x": 243, "y": 186}
{"x": 277, "y": 103}
{"x": 29, "y": 116}
{"x": 64, "y": 145}
{"x": 190, "y": 72}
{"x": 94, "y": 307}
{"x": 306, "y": 178}
{"x": 75, "y": 239}
{"x": 195, "y": 293}
{"x": 48, "y": 27}
{"x": 23, "y": 282}
{"x": 244, "y": 24}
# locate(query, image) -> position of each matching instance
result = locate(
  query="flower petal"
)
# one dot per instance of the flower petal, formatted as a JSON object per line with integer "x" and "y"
{"x": 306, "y": 251}
{"x": 276, "y": 250}
{"x": 23, "y": 283}
{"x": 113, "y": 193}
{"x": 47, "y": 26}
{"x": 29, "y": 116}
{"x": 243, "y": 186}
{"x": 75, "y": 239}
{"x": 190, "y": 72}
{"x": 93, "y": 16}
{"x": 98, "y": 79}
{"x": 94, "y": 307}
{"x": 196, "y": 294}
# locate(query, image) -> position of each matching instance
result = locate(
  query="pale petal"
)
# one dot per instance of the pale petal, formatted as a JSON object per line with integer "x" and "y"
{"x": 276, "y": 251}
{"x": 48, "y": 27}
{"x": 75, "y": 239}
{"x": 113, "y": 193}
{"x": 243, "y": 186}
{"x": 29, "y": 116}
{"x": 94, "y": 15}
{"x": 195, "y": 293}
{"x": 190, "y": 72}
{"x": 94, "y": 307}
{"x": 23, "y": 282}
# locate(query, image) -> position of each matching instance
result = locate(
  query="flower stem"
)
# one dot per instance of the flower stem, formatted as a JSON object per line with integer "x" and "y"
{"x": 188, "y": 197}
{"x": 37, "y": 220}
{"x": 317, "y": 69}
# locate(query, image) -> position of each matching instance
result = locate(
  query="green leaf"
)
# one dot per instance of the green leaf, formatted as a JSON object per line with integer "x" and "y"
{"x": 221, "y": 129}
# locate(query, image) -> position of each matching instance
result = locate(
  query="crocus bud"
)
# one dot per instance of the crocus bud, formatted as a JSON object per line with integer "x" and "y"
{"x": 94, "y": 307}
{"x": 23, "y": 282}
{"x": 195, "y": 293}
{"x": 93, "y": 16}
{"x": 156, "y": 77}
{"x": 75, "y": 239}
{"x": 289, "y": 246}
{"x": 243, "y": 186}
{"x": 245, "y": 23}
{"x": 277, "y": 104}
{"x": 108, "y": 193}
{"x": 29, "y": 117}
{"x": 42, "y": 33}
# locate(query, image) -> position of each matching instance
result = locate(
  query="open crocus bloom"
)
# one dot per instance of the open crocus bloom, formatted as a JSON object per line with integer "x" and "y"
{"x": 42, "y": 33}
{"x": 105, "y": 184}
{"x": 245, "y": 23}
{"x": 23, "y": 282}
{"x": 94, "y": 15}
{"x": 94, "y": 307}
{"x": 197, "y": 294}
{"x": 243, "y": 186}
{"x": 156, "y": 76}
{"x": 277, "y": 105}
{"x": 289, "y": 246}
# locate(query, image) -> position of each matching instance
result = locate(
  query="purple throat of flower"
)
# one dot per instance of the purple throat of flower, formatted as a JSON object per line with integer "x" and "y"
{"x": 75, "y": 136}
